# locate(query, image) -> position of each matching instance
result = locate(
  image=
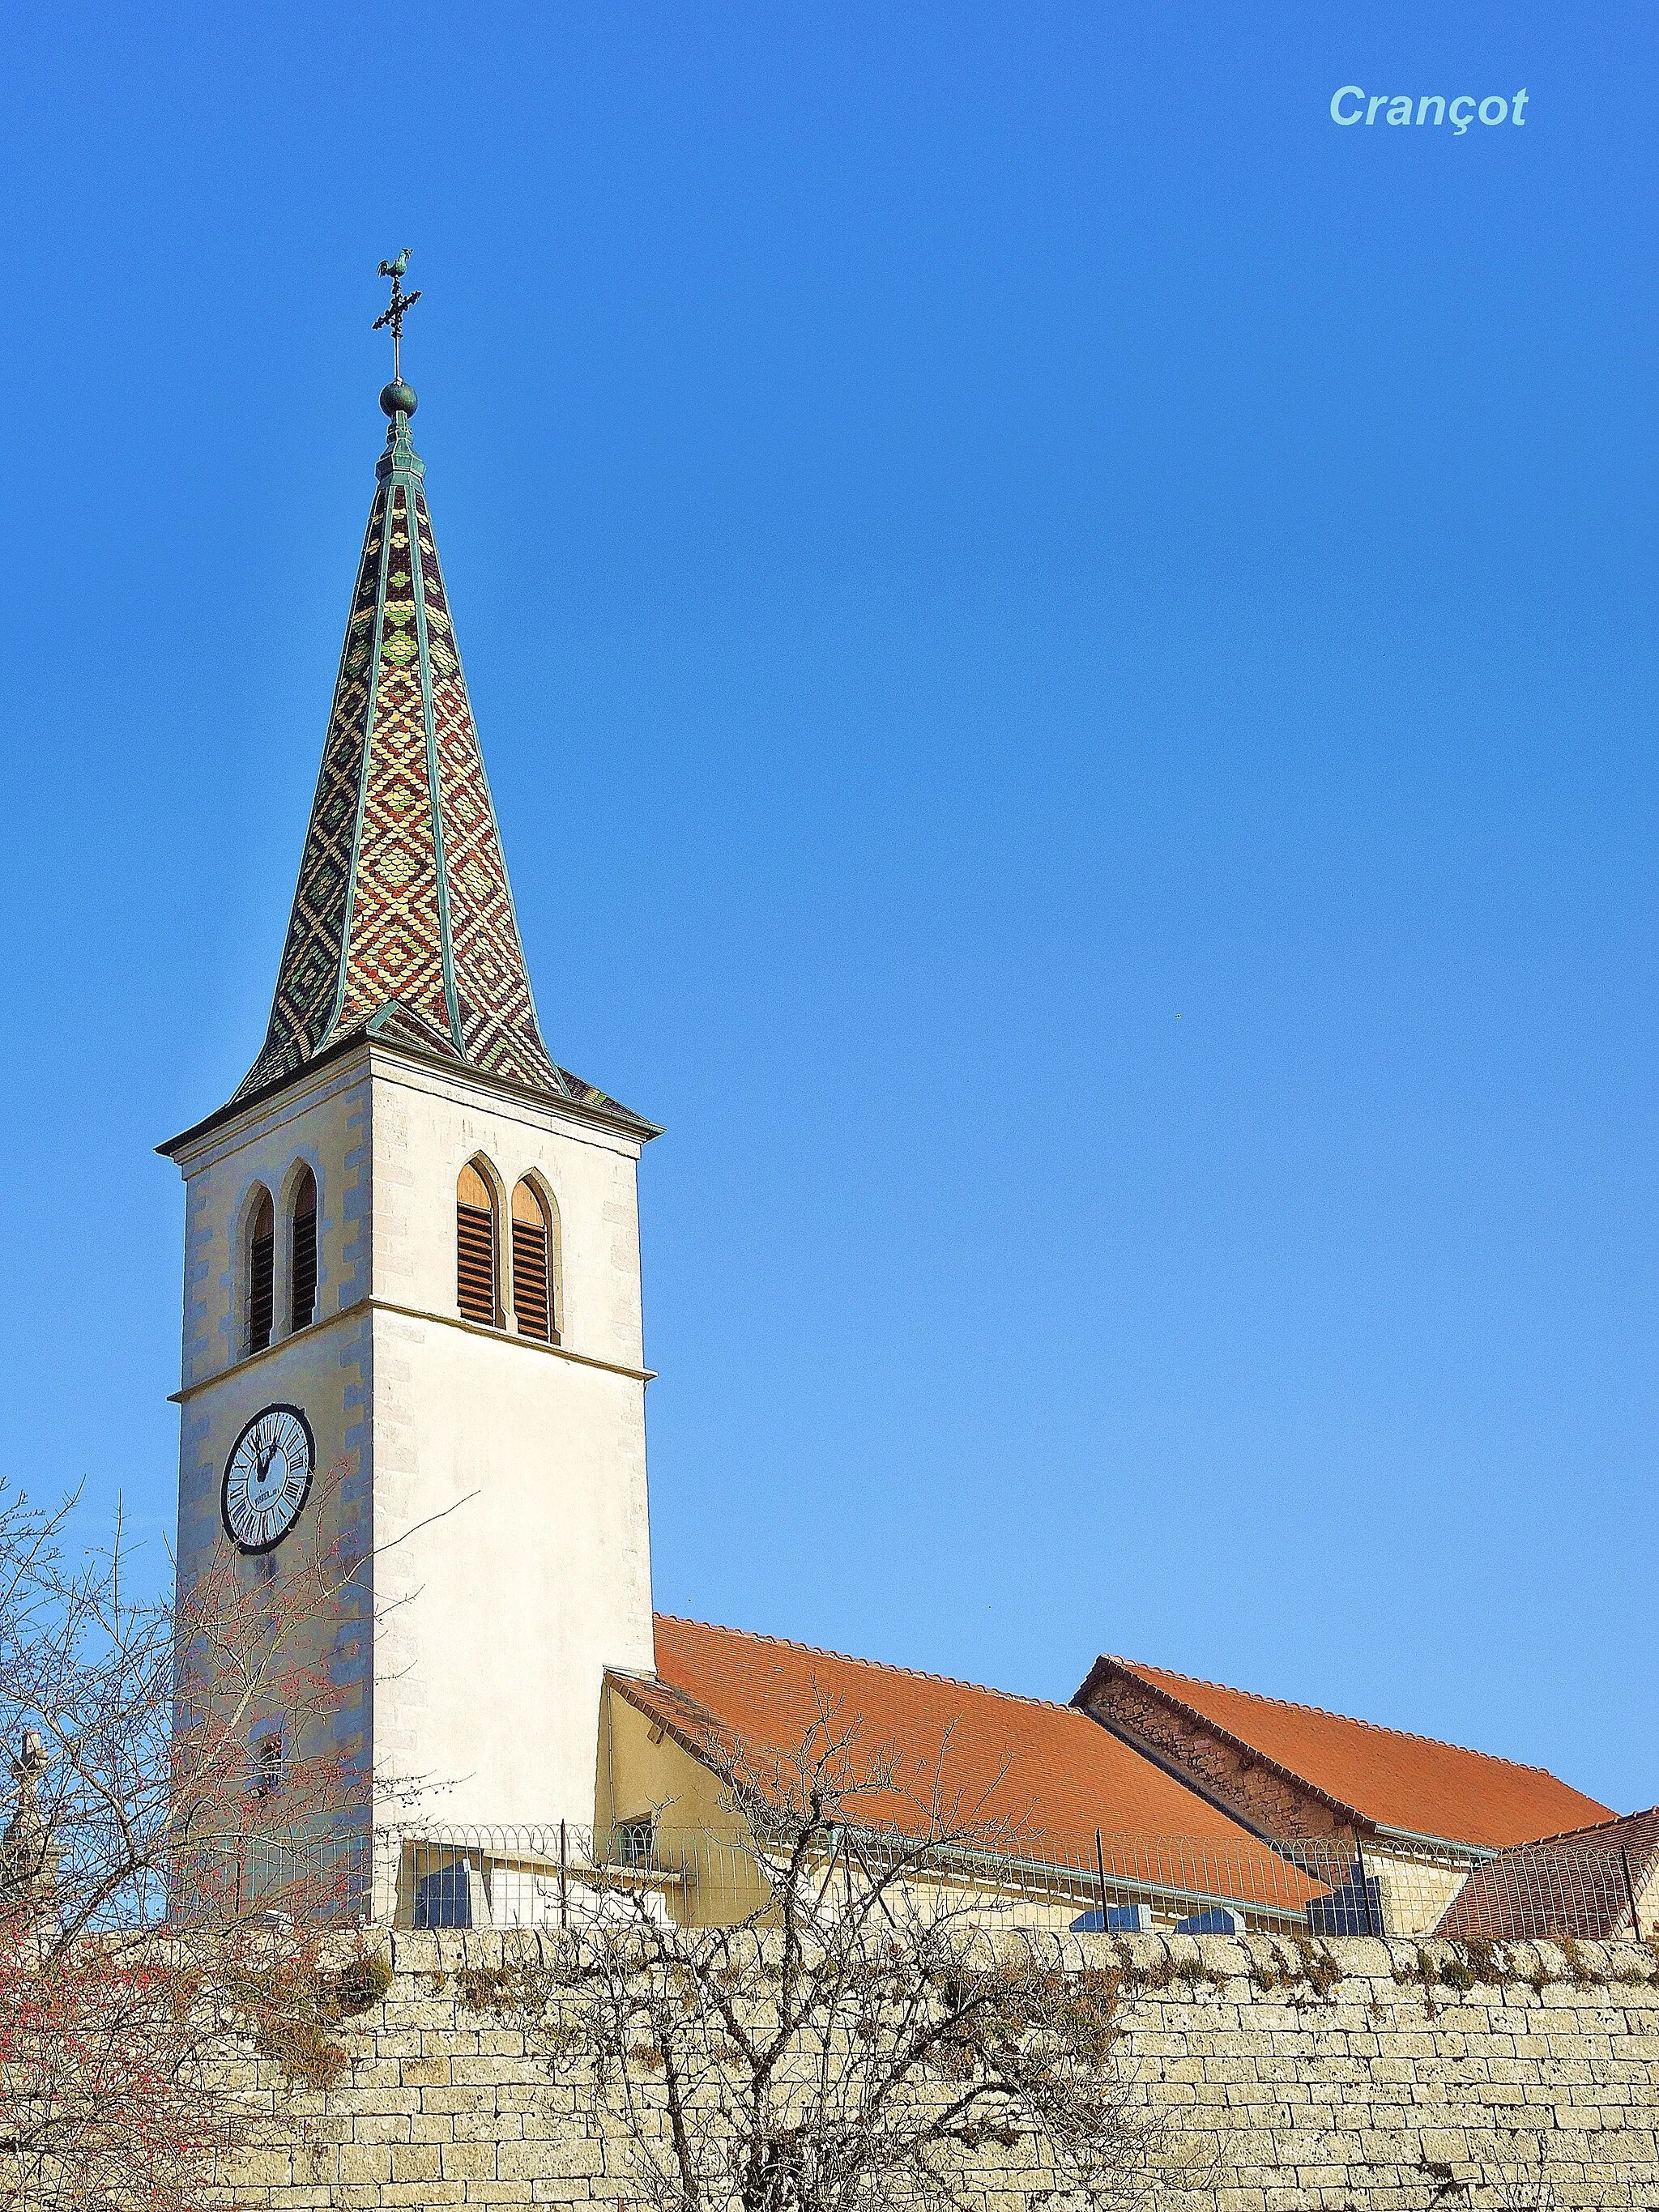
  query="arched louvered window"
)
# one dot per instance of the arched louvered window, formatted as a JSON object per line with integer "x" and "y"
{"x": 475, "y": 1248}
{"x": 261, "y": 1275}
{"x": 532, "y": 1264}
{"x": 302, "y": 1252}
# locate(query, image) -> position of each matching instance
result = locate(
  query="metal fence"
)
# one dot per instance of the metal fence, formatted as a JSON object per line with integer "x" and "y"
{"x": 564, "y": 1876}
{"x": 1552, "y": 1890}
{"x": 328, "y": 1876}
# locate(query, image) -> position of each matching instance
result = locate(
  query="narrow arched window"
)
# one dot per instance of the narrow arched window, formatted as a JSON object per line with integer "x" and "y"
{"x": 268, "y": 1765}
{"x": 475, "y": 1248}
{"x": 532, "y": 1278}
{"x": 261, "y": 1275}
{"x": 302, "y": 1252}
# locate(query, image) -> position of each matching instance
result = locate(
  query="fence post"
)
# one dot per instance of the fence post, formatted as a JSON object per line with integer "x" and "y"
{"x": 1100, "y": 1868}
{"x": 564, "y": 1891}
{"x": 1630, "y": 1892}
{"x": 1365, "y": 1887}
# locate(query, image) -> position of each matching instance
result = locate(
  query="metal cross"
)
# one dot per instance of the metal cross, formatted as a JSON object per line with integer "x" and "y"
{"x": 401, "y": 303}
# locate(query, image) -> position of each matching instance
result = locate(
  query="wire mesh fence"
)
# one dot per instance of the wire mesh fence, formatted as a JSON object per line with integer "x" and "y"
{"x": 560, "y": 1875}
{"x": 320, "y": 1877}
{"x": 1548, "y": 1890}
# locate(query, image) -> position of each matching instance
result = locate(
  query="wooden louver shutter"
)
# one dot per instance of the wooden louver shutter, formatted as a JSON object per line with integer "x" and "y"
{"x": 532, "y": 1301}
{"x": 261, "y": 1278}
{"x": 304, "y": 1255}
{"x": 474, "y": 1250}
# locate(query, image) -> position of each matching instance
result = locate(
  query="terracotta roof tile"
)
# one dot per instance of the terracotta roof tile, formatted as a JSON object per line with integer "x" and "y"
{"x": 1047, "y": 1767}
{"x": 1624, "y": 1832}
{"x": 1389, "y": 1777}
{"x": 1579, "y": 1884}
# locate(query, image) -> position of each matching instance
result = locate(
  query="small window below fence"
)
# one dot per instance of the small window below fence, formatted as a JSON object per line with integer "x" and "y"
{"x": 445, "y": 1898}
{"x": 635, "y": 1840}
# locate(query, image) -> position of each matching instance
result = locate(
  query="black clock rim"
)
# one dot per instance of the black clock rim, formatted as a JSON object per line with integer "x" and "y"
{"x": 278, "y": 1406}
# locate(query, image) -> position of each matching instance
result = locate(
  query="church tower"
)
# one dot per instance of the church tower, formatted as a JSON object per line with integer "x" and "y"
{"x": 411, "y": 1254}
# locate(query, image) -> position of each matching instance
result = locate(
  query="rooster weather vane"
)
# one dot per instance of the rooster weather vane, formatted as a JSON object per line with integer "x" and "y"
{"x": 399, "y": 306}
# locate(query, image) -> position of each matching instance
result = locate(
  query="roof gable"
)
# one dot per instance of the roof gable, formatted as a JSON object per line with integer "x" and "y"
{"x": 1380, "y": 1777}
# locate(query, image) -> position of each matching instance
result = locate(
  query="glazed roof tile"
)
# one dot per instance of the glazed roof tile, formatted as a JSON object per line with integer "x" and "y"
{"x": 1383, "y": 1776}
{"x": 402, "y": 923}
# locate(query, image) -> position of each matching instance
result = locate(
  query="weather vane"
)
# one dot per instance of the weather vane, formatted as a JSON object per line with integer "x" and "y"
{"x": 401, "y": 303}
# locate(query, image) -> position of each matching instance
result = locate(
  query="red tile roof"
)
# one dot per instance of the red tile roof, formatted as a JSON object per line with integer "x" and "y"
{"x": 1050, "y": 1769}
{"x": 1630, "y": 1832}
{"x": 1386, "y": 1776}
{"x": 1587, "y": 1883}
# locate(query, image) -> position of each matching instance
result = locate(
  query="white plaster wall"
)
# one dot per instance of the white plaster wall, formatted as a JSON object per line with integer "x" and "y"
{"x": 327, "y": 1371}
{"x": 323, "y": 1123}
{"x": 498, "y": 1618}
{"x": 428, "y": 1124}
{"x": 322, "y": 1120}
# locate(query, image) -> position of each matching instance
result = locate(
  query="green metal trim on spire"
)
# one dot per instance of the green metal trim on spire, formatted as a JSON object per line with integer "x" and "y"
{"x": 400, "y": 457}
{"x": 338, "y": 1002}
{"x": 435, "y": 789}
{"x": 483, "y": 778}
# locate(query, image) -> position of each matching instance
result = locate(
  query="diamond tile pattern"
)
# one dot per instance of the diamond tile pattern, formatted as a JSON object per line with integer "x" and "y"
{"x": 403, "y": 897}
{"x": 493, "y": 1005}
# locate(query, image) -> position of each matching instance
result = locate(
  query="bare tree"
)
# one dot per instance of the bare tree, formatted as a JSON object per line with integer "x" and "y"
{"x": 862, "y": 2038}
{"x": 163, "y": 1888}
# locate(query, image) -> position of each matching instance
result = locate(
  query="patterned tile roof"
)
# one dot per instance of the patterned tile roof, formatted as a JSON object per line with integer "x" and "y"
{"x": 1383, "y": 1776}
{"x": 402, "y": 923}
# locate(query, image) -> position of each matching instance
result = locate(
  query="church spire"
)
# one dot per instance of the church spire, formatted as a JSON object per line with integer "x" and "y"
{"x": 402, "y": 923}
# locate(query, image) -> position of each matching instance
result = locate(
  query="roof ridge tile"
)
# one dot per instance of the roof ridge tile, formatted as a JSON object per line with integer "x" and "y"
{"x": 879, "y": 1666}
{"x": 1591, "y": 1828}
{"x": 1325, "y": 1713}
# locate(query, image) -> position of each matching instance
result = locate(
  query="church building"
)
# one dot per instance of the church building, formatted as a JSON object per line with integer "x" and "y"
{"x": 412, "y": 1255}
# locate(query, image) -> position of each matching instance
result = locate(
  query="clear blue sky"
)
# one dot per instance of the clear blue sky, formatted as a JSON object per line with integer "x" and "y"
{"x": 1067, "y": 650}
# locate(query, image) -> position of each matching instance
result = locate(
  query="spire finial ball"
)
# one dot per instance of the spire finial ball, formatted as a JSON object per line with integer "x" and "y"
{"x": 398, "y": 398}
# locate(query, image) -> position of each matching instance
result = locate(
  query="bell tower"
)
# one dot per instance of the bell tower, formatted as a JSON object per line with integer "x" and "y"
{"x": 411, "y": 1255}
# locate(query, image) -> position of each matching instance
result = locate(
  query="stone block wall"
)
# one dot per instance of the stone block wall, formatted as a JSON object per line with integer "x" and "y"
{"x": 1349, "y": 2076}
{"x": 1261, "y": 1794}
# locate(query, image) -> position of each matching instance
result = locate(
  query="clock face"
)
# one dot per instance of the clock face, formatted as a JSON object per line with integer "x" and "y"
{"x": 267, "y": 1478}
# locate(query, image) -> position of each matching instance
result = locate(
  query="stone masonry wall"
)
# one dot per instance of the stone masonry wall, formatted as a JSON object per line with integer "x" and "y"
{"x": 1255, "y": 1789}
{"x": 1390, "y": 2089}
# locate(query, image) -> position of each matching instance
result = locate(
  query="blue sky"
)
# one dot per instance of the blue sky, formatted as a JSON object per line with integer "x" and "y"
{"x": 1067, "y": 652}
